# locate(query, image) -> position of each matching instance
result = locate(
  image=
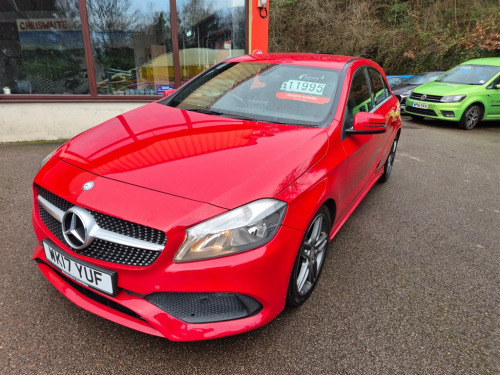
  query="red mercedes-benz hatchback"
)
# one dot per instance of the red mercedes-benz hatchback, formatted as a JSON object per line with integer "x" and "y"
{"x": 201, "y": 215}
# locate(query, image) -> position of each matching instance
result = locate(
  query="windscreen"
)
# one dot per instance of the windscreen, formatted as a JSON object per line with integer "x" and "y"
{"x": 418, "y": 79}
{"x": 470, "y": 74}
{"x": 279, "y": 93}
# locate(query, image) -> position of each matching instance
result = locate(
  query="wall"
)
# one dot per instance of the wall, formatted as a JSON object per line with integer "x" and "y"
{"x": 259, "y": 28}
{"x": 52, "y": 121}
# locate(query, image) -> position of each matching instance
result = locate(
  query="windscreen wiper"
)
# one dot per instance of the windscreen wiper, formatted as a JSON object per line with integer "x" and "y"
{"x": 206, "y": 111}
{"x": 274, "y": 121}
{"x": 209, "y": 111}
{"x": 293, "y": 123}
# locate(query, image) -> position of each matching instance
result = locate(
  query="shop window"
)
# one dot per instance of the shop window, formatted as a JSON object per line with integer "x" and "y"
{"x": 45, "y": 45}
{"x": 41, "y": 48}
{"x": 210, "y": 31}
{"x": 131, "y": 46}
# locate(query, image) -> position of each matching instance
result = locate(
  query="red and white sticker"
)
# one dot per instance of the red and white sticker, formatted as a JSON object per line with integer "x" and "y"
{"x": 302, "y": 97}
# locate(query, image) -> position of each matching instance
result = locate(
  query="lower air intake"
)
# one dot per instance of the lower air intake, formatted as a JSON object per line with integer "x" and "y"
{"x": 205, "y": 307}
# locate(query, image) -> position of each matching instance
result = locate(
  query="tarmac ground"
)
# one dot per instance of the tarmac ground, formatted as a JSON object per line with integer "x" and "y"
{"x": 411, "y": 283}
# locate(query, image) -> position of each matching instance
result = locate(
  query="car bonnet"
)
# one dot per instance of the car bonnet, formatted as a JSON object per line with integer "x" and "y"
{"x": 444, "y": 88}
{"x": 217, "y": 160}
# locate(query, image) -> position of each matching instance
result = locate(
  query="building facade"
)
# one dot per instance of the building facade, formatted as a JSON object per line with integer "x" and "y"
{"x": 67, "y": 65}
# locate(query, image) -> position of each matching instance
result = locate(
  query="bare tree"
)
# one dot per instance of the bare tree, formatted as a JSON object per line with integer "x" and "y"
{"x": 195, "y": 11}
{"x": 109, "y": 21}
{"x": 68, "y": 7}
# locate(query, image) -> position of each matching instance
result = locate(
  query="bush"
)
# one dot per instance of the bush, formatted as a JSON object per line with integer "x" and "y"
{"x": 402, "y": 36}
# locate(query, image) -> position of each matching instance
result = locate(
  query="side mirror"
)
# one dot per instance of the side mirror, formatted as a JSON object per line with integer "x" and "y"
{"x": 497, "y": 86}
{"x": 368, "y": 123}
{"x": 168, "y": 92}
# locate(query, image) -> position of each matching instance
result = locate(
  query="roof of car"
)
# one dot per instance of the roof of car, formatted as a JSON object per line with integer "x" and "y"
{"x": 426, "y": 73}
{"x": 307, "y": 59}
{"x": 495, "y": 61}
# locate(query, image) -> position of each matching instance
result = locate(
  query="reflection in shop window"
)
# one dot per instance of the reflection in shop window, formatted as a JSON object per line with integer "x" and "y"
{"x": 41, "y": 48}
{"x": 132, "y": 46}
{"x": 210, "y": 31}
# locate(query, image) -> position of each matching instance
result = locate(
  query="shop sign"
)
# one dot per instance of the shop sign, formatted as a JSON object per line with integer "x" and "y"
{"x": 47, "y": 24}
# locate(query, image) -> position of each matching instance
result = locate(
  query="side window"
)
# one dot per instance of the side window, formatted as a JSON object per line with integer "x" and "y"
{"x": 495, "y": 82}
{"x": 359, "y": 97}
{"x": 379, "y": 89}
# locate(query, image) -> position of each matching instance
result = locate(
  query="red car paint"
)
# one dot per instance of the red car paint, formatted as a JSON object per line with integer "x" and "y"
{"x": 170, "y": 169}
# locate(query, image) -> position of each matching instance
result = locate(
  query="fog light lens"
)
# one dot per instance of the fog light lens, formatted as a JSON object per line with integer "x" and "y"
{"x": 448, "y": 113}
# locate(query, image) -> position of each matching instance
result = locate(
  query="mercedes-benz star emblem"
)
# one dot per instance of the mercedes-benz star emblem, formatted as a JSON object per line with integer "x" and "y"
{"x": 88, "y": 185}
{"x": 75, "y": 227}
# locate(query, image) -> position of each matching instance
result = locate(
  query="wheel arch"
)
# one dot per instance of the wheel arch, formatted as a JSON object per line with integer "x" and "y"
{"x": 307, "y": 203}
{"x": 480, "y": 104}
{"x": 475, "y": 102}
{"x": 332, "y": 209}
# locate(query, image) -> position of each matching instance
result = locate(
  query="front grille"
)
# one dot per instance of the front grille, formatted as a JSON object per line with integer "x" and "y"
{"x": 127, "y": 228}
{"x": 105, "y": 250}
{"x": 428, "y": 98}
{"x": 420, "y": 111}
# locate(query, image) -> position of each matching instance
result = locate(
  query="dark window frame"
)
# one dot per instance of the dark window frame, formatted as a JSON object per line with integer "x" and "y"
{"x": 495, "y": 81}
{"x": 372, "y": 90}
{"x": 362, "y": 70}
{"x": 93, "y": 96}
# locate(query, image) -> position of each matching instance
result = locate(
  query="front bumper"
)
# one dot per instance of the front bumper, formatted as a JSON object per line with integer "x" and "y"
{"x": 441, "y": 111}
{"x": 402, "y": 101}
{"x": 259, "y": 275}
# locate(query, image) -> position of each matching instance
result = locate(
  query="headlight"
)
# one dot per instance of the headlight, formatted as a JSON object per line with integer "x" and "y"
{"x": 241, "y": 229}
{"x": 452, "y": 98}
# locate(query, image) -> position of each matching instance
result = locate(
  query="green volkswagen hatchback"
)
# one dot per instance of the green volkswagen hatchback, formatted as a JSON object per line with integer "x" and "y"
{"x": 467, "y": 94}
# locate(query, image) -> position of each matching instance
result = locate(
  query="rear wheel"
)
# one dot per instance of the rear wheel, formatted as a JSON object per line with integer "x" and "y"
{"x": 471, "y": 117}
{"x": 390, "y": 161}
{"x": 309, "y": 260}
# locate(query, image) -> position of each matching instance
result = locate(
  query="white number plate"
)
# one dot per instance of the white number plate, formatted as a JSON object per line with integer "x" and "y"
{"x": 303, "y": 87}
{"x": 419, "y": 105}
{"x": 91, "y": 276}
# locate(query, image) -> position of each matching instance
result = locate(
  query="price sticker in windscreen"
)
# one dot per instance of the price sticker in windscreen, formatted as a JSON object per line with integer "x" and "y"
{"x": 303, "y": 87}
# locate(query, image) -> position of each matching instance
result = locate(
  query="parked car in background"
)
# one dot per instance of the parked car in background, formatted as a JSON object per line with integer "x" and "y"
{"x": 397, "y": 79}
{"x": 467, "y": 94}
{"x": 402, "y": 90}
{"x": 200, "y": 215}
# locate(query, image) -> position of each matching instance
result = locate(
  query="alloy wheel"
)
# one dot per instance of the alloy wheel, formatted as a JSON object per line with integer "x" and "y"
{"x": 392, "y": 154}
{"x": 472, "y": 117}
{"x": 312, "y": 254}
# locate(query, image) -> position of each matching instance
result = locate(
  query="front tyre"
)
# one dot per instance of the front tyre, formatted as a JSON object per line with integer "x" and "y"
{"x": 471, "y": 117}
{"x": 310, "y": 258}
{"x": 390, "y": 161}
